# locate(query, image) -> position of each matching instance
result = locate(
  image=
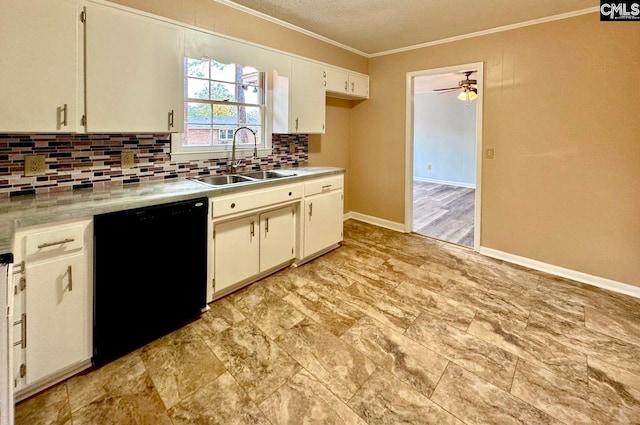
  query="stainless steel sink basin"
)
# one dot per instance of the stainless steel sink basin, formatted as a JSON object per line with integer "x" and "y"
{"x": 270, "y": 174}
{"x": 253, "y": 176}
{"x": 224, "y": 179}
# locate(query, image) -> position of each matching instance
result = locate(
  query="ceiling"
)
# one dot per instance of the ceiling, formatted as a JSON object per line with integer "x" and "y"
{"x": 376, "y": 26}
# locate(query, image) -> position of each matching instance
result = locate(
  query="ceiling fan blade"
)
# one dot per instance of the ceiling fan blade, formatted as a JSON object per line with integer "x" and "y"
{"x": 449, "y": 88}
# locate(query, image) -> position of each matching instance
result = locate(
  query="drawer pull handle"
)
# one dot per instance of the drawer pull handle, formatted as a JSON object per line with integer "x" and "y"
{"x": 310, "y": 210}
{"x": 266, "y": 226}
{"x": 70, "y": 273}
{"x": 326, "y": 187}
{"x": 62, "y": 242}
{"x": 253, "y": 229}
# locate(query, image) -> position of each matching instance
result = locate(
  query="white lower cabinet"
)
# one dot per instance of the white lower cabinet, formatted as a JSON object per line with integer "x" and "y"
{"x": 247, "y": 246}
{"x": 322, "y": 222}
{"x": 322, "y": 216}
{"x": 277, "y": 237}
{"x": 57, "y": 322}
{"x": 258, "y": 232}
{"x": 236, "y": 251}
{"x": 52, "y": 305}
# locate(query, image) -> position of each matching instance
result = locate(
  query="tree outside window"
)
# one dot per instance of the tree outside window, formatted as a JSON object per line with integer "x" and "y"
{"x": 220, "y": 98}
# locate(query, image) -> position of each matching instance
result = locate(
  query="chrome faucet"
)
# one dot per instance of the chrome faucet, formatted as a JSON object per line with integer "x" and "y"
{"x": 235, "y": 164}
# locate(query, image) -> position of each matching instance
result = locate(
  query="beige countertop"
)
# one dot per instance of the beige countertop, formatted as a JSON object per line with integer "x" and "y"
{"x": 25, "y": 211}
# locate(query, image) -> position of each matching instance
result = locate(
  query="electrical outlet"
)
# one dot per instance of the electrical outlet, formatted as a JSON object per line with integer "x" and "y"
{"x": 34, "y": 165}
{"x": 489, "y": 153}
{"x": 292, "y": 147}
{"x": 126, "y": 159}
{"x": 429, "y": 167}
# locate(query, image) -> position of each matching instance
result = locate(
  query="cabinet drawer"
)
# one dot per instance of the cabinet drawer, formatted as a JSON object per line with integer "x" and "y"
{"x": 323, "y": 185}
{"x": 255, "y": 199}
{"x": 56, "y": 240}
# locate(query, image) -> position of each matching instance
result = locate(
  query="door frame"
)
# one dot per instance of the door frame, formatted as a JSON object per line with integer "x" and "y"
{"x": 408, "y": 207}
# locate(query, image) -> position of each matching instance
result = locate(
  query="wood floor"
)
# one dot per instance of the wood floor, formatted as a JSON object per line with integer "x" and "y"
{"x": 444, "y": 212}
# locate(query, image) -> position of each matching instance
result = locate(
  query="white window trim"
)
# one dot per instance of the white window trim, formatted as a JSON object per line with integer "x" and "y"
{"x": 180, "y": 153}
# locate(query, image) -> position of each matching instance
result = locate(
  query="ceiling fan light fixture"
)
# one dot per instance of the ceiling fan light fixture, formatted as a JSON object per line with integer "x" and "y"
{"x": 468, "y": 95}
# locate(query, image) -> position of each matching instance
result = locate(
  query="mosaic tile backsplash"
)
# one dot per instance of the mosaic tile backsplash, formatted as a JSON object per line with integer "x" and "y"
{"x": 79, "y": 161}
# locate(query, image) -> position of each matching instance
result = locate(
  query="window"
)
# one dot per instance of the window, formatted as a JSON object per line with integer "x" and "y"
{"x": 225, "y": 135}
{"x": 219, "y": 99}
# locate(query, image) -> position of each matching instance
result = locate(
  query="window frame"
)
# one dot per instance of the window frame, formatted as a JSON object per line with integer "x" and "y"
{"x": 180, "y": 152}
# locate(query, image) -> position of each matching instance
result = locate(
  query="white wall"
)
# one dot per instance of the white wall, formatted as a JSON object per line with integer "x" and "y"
{"x": 444, "y": 136}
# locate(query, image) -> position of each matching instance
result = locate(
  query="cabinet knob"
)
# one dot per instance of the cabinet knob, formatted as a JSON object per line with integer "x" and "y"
{"x": 233, "y": 205}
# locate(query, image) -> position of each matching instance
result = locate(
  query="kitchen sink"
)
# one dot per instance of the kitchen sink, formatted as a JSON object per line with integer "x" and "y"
{"x": 270, "y": 174}
{"x": 224, "y": 179}
{"x": 253, "y": 176}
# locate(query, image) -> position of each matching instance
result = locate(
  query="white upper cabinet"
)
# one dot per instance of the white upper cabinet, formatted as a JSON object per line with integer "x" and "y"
{"x": 345, "y": 84}
{"x": 134, "y": 73}
{"x": 40, "y": 66}
{"x": 305, "y": 100}
{"x": 337, "y": 80}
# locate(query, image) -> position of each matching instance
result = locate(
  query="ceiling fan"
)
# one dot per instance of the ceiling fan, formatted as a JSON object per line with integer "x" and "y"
{"x": 468, "y": 86}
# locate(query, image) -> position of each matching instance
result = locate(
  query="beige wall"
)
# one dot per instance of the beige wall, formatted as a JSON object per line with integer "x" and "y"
{"x": 222, "y": 19}
{"x": 332, "y": 148}
{"x": 561, "y": 107}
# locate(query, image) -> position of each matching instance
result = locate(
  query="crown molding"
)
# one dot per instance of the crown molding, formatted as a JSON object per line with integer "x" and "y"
{"x": 489, "y": 31}
{"x": 495, "y": 30}
{"x": 289, "y": 26}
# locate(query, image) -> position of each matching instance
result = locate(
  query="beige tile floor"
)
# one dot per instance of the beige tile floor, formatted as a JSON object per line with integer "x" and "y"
{"x": 388, "y": 329}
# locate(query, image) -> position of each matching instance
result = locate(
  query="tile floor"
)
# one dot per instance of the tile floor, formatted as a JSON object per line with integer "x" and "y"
{"x": 388, "y": 329}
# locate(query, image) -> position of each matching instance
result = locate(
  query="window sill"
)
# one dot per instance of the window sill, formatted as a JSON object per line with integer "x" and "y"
{"x": 203, "y": 155}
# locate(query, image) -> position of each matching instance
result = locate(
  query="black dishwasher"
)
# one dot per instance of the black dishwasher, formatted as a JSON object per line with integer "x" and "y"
{"x": 150, "y": 272}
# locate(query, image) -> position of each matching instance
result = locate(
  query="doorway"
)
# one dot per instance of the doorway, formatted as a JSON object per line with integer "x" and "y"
{"x": 443, "y": 160}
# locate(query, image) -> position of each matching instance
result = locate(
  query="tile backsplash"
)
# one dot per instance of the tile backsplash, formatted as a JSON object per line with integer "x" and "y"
{"x": 78, "y": 161}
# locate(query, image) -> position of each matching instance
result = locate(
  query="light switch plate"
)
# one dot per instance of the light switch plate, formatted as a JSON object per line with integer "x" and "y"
{"x": 489, "y": 153}
{"x": 34, "y": 165}
{"x": 127, "y": 159}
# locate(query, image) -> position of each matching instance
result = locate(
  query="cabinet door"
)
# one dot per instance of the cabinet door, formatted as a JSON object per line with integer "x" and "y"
{"x": 133, "y": 73}
{"x": 58, "y": 329}
{"x": 276, "y": 237}
{"x": 358, "y": 85}
{"x": 307, "y": 97}
{"x": 236, "y": 251}
{"x": 39, "y": 66}
{"x": 337, "y": 80}
{"x": 322, "y": 221}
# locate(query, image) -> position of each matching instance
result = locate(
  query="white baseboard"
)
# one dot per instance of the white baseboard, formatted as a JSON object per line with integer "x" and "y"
{"x": 600, "y": 282}
{"x": 398, "y": 227}
{"x": 447, "y": 182}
